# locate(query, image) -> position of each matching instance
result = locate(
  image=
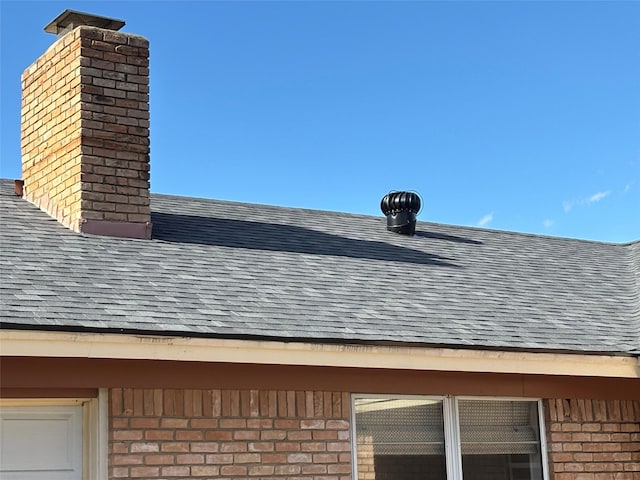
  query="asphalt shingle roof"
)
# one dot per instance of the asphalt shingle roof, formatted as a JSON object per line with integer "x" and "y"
{"x": 217, "y": 268}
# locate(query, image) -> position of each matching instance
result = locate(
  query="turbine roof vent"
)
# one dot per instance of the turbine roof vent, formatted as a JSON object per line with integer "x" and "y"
{"x": 401, "y": 209}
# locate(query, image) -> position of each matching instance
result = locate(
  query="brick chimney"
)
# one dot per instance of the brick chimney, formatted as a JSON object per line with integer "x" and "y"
{"x": 85, "y": 127}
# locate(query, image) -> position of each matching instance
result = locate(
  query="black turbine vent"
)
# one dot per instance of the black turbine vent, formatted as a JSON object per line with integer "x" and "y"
{"x": 401, "y": 209}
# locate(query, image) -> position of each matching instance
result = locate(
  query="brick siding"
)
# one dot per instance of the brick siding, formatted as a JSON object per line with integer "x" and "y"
{"x": 593, "y": 440}
{"x": 169, "y": 434}
{"x": 85, "y": 128}
{"x": 269, "y": 434}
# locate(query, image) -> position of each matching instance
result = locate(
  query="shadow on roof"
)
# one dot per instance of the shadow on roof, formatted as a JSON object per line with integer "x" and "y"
{"x": 444, "y": 236}
{"x": 282, "y": 238}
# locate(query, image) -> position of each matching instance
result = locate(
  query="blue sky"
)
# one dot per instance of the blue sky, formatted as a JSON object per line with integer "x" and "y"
{"x": 520, "y": 116}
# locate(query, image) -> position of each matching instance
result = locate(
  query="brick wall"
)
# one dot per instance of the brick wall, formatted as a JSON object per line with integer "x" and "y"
{"x": 171, "y": 434}
{"x": 177, "y": 433}
{"x": 593, "y": 440}
{"x": 85, "y": 129}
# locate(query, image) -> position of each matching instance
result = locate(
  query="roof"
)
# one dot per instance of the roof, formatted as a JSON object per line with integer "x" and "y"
{"x": 234, "y": 270}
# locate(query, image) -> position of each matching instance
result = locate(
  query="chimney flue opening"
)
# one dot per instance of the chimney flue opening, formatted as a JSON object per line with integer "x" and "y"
{"x": 401, "y": 209}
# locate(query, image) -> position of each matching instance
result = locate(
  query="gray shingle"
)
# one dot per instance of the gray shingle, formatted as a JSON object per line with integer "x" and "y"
{"x": 229, "y": 269}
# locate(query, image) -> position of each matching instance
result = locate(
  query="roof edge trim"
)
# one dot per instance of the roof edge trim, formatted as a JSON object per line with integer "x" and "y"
{"x": 24, "y": 343}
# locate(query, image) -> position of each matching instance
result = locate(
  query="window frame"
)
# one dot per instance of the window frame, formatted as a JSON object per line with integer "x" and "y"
{"x": 452, "y": 447}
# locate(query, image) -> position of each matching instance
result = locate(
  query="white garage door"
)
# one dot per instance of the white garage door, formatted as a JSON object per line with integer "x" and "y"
{"x": 38, "y": 443}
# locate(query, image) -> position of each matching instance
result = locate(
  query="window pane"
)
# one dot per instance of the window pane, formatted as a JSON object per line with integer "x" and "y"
{"x": 400, "y": 439}
{"x": 500, "y": 440}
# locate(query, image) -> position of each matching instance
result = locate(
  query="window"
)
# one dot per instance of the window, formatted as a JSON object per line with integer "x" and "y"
{"x": 447, "y": 438}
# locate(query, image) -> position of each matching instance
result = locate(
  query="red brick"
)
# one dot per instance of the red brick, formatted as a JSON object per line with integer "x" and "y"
{"x": 174, "y": 447}
{"x": 286, "y": 424}
{"x": 312, "y": 424}
{"x": 344, "y": 457}
{"x": 325, "y": 458}
{"x": 233, "y": 447}
{"x": 159, "y": 435}
{"x": 204, "y": 423}
{"x": 611, "y": 447}
{"x": 583, "y": 457}
{"x": 338, "y": 424}
{"x": 313, "y": 446}
{"x": 571, "y": 427}
{"x": 287, "y": 469}
{"x": 127, "y": 459}
{"x": 188, "y": 435}
{"x": 261, "y": 446}
{"x": 174, "y": 423}
{"x": 191, "y": 459}
{"x": 207, "y": 447}
{"x": 233, "y": 423}
{"x": 338, "y": 446}
{"x": 119, "y": 447}
{"x": 313, "y": 469}
{"x": 219, "y": 459}
{"x": 137, "y": 472}
{"x": 260, "y": 470}
{"x": 175, "y": 471}
{"x": 274, "y": 457}
{"x": 246, "y": 458}
{"x": 144, "y": 447}
{"x": 325, "y": 435}
{"x": 630, "y": 427}
{"x": 218, "y": 435}
{"x": 120, "y": 472}
{"x": 127, "y": 435}
{"x": 561, "y": 457}
{"x": 205, "y": 471}
{"x": 299, "y": 458}
{"x": 610, "y": 427}
{"x": 591, "y": 427}
{"x": 233, "y": 470}
{"x": 119, "y": 423}
{"x": 260, "y": 423}
{"x": 572, "y": 447}
{"x": 288, "y": 447}
{"x": 159, "y": 459}
{"x": 300, "y": 434}
{"x": 272, "y": 435}
{"x": 606, "y": 476}
{"x": 560, "y": 437}
{"x": 246, "y": 435}
{"x": 340, "y": 468}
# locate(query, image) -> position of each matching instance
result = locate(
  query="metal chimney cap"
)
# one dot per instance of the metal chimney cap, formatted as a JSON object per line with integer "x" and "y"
{"x": 70, "y": 19}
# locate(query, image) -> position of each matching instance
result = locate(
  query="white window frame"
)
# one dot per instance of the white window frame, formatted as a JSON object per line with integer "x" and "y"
{"x": 453, "y": 452}
{"x": 95, "y": 428}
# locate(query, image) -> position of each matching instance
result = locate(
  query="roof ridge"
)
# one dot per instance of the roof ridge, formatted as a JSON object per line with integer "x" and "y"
{"x": 472, "y": 228}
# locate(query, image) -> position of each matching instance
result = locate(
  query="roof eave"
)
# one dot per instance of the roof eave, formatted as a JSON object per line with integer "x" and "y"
{"x": 181, "y": 348}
